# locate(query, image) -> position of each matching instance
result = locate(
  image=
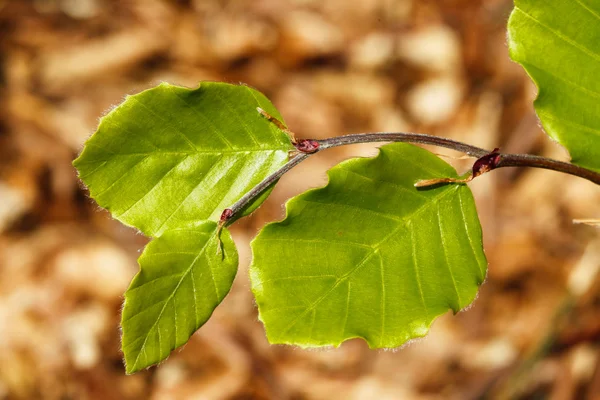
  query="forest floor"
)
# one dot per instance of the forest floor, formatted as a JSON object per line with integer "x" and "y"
{"x": 331, "y": 67}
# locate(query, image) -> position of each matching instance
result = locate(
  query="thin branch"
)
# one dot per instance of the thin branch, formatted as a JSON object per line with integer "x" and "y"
{"x": 403, "y": 137}
{"x": 506, "y": 160}
{"x": 262, "y": 186}
{"x": 526, "y": 160}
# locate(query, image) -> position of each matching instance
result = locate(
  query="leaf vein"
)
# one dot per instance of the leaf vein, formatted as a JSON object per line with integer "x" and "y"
{"x": 575, "y": 85}
{"x": 356, "y": 208}
{"x": 382, "y": 299}
{"x": 141, "y": 311}
{"x": 202, "y": 179}
{"x": 595, "y": 56}
{"x": 324, "y": 296}
{"x": 153, "y": 280}
{"x": 297, "y": 277}
{"x": 416, "y": 268}
{"x": 204, "y": 117}
{"x": 345, "y": 323}
{"x": 152, "y": 188}
{"x": 183, "y": 135}
{"x": 212, "y": 274}
{"x": 159, "y": 343}
{"x": 443, "y": 241}
{"x": 586, "y": 7}
{"x": 121, "y": 126}
{"x": 196, "y": 323}
{"x": 131, "y": 169}
{"x": 82, "y": 177}
{"x": 166, "y": 302}
{"x": 319, "y": 241}
{"x": 312, "y": 324}
{"x": 241, "y": 121}
{"x": 470, "y": 238}
{"x": 375, "y": 247}
{"x": 174, "y": 319}
{"x": 593, "y": 131}
{"x": 232, "y": 187}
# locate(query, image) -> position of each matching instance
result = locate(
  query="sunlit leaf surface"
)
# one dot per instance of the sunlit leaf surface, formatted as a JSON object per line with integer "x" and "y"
{"x": 558, "y": 44}
{"x": 167, "y": 161}
{"x": 184, "y": 275}
{"x": 170, "y": 156}
{"x": 369, "y": 255}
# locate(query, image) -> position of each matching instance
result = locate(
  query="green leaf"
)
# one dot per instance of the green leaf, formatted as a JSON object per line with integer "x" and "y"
{"x": 184, "y": 275}
{"x": 558, "y": 44}
{"x": 369, "y": 255}
{"x": 170, "y": 156}
{"x": 167, "y": 159}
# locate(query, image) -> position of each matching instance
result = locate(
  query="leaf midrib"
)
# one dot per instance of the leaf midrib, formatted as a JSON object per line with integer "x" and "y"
{"x": 187, "y": 153}
{"x": 185, "y": 273}
{"x": 375, "y": 250}
{"x": 565, "y": 38}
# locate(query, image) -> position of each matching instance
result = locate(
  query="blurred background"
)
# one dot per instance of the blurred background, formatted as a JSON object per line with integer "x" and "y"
{"x": 332, "y": 67}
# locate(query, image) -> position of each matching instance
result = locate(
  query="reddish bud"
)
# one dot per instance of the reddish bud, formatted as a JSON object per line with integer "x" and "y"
{"x": 307, "y": 146}
{"x": 225, "y": 215}
{"x": 486, "y": 163}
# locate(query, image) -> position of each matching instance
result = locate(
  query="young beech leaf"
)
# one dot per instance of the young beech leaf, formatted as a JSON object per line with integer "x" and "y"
{"x": 558, "y": 44}
{"x": 170, "y": 156}
{"x": 369, "y": 255}
{"x": 184, "y": 275}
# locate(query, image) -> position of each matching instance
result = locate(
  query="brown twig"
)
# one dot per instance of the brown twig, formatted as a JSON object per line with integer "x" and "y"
{"x": 486, "y": 160}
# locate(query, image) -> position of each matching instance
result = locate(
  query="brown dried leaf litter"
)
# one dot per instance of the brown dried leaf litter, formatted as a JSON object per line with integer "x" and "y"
{"x": 332, "y": 67}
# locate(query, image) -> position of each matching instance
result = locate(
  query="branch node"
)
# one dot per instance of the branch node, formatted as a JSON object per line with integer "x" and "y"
{"x": 307, "y": 146}
{"x": 226, "y": 215}
{"x": 486, "y": 163}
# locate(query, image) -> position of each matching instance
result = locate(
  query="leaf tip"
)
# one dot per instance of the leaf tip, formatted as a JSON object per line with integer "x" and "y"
{"x": 129, "y": 370}
{"x": 129, "y": 360}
